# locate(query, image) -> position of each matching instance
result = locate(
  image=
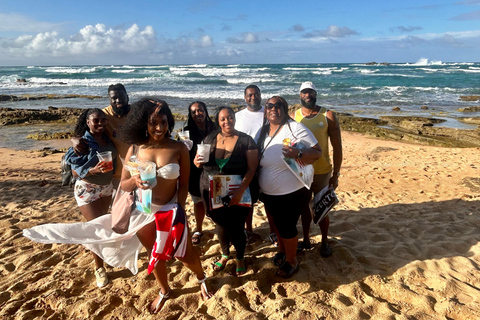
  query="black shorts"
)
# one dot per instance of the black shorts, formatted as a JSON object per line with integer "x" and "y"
{"x": 286, "y": 209}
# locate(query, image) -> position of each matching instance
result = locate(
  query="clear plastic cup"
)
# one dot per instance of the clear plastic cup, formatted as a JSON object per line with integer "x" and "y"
{"x": 203, "y": 150}
{"x": 148, "y": 172}
{"x": 106, "y": 157}
{"x": 184, "y": 134}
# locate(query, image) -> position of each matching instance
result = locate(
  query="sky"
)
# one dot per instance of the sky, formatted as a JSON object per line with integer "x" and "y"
{"x": 157, "y": 32}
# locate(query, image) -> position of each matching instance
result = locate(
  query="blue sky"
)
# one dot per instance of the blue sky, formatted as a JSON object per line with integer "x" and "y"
{"x": 108, "y": 32}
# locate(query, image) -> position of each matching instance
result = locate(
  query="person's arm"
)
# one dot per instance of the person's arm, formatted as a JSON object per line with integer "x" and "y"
{"x": 336, "y": 140}
{"x": 129, "y": 183}
{"x": 252, "y": 164}
{"x": 308, "y": 156}
{"x": 184, "y": 175}
{"x": 80, "y": 146}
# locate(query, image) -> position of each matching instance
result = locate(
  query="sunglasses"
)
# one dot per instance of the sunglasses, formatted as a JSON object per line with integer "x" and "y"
{"x": 277, "y": 105}
{"x": 98, "y": 121}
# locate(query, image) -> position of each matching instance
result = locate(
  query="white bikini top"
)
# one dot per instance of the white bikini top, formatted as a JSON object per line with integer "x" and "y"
{"x": 169, "y": 171}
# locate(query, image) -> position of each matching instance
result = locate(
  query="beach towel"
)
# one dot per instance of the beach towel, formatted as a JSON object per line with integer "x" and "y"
{"x": 171, "y": 234}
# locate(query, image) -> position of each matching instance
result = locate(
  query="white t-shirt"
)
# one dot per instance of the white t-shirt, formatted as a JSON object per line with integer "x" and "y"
{"x": 274, "y": 177}
{"x": 249, "y": 121}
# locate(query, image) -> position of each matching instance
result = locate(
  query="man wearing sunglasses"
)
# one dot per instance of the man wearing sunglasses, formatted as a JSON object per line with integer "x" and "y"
{"x": 324, "y": 125}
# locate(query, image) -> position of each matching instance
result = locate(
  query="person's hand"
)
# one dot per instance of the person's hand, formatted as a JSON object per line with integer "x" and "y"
{"x": 198, "y": 161}
{"x": 236, "y": 197}
{"x": 98, "y": 168}
{"x": 290, "y": 152}
{"x": 142, "y": 184}
{"x": 333, "y": 182}
{"x": 80, "y": 146}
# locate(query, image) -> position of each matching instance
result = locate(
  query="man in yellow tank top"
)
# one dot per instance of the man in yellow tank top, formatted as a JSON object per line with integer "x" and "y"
{"x": 324, "y": 125}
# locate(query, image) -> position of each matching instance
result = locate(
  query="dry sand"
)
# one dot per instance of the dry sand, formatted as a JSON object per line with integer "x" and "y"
{"x": 405, "y": 238}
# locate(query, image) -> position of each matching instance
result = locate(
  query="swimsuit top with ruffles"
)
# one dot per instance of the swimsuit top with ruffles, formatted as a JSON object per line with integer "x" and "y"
{"x": 169, "y": 171}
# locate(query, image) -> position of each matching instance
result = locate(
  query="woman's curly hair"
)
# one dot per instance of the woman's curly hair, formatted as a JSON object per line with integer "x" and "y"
{"x": 134, "y": 131}
{"x": 81, "y": 126}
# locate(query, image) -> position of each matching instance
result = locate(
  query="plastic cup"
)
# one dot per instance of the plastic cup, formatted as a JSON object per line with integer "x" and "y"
{"x": 106, "y": 157}
{"x": 148, "y": 172}
{"x": 203, "y": 150}
{"x": 184, "y": 134}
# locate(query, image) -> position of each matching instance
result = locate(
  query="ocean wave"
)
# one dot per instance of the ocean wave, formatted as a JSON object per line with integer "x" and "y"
{"x": 123, "y": 71}
{"x": 70, "y": 70}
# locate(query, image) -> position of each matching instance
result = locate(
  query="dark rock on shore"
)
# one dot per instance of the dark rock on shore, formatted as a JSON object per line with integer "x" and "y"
{"x": 470, "y": 109}
{"x": 400, "y": 128}
{"x": 9, "y": 116}
{"x": 470, "y": 98}
{"x": 6, "y": 97}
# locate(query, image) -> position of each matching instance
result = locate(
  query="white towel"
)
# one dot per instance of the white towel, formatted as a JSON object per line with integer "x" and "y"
{"x": 117, "y": 250}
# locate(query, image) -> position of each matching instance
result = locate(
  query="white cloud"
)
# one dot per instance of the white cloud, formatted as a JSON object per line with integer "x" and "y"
{"x": 246, "y": 37}
{"x": 331, "y": 32}
{"x": 89, "y": 40}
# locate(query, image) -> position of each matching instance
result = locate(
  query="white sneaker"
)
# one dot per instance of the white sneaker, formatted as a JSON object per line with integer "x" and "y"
{"x": 101, "y": 275}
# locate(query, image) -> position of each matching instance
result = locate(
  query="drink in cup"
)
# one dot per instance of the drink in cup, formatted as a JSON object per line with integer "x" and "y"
{"x": 203, "y": 150}
{"x": 106, "y": 157}
{"x": 184, "y": 134}
{"x": 148, "y": 172}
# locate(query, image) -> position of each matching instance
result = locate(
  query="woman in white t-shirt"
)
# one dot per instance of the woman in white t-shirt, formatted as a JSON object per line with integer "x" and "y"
{"x": 284, "y": 195}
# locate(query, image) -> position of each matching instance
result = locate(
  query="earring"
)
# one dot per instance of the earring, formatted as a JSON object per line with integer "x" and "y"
{"x": 146, "y": 133}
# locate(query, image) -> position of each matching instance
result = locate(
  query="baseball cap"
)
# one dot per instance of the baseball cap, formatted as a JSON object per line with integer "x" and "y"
{"x": 308, "y": 85}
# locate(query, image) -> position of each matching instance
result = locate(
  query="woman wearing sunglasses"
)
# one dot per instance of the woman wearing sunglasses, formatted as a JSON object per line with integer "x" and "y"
{"x": 284, "y": 195}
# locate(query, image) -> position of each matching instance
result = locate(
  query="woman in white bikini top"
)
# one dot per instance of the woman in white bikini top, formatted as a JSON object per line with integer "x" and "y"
{"x": 150, "y": 126}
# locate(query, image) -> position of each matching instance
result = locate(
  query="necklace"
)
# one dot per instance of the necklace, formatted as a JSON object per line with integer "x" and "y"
{"x": 225, "y": 137}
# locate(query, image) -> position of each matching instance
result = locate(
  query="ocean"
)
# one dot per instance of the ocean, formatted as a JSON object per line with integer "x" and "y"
{"x": 360, "y": 89}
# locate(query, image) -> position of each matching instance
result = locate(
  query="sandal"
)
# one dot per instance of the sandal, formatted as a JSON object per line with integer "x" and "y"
{"x": 303, "y": 245}
{"x": 273, "y": 238}
{"x": 219, "y": 266}
{"x": 204, "y": 289}
{"x": 197, "y": 237}
{"x": 287, "y": 270}
{"x": 279, "y": 259}
{"x": 161, "y": 301}
{"x": 239, "y": 271}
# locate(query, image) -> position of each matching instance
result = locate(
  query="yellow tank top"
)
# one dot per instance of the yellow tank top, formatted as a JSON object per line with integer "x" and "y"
{"x": 318, "y": 125}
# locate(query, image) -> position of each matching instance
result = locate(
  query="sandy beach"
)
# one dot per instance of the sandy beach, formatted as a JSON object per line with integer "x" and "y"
{"x": 405, "y": 239}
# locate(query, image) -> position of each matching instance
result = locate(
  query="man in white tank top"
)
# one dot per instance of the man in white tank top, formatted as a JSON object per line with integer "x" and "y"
{"x": 324, "y": 125}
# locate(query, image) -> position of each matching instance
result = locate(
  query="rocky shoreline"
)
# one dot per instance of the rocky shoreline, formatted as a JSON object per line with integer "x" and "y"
{"x": 421, "y": 130}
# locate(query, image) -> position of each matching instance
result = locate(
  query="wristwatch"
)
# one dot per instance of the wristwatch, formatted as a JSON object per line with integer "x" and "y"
{"x": 300, "y": 154}
{"x": 337, "y": 174}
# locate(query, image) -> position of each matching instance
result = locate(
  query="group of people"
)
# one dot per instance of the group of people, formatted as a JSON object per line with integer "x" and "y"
{"x": 249, "y": 144}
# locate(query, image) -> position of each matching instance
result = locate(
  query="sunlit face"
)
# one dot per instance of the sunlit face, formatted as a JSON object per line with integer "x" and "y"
{"x": 97, "y": 122}
{"x": 118, "y": 101}
{"x": 198, "y": 113}
{"x": 157, "y": 127}
{"x": 226, "y": 120}
{"x": 253, "y": 98}
{"x": 274, "y": 111}
{"x": 308, "y": 98}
